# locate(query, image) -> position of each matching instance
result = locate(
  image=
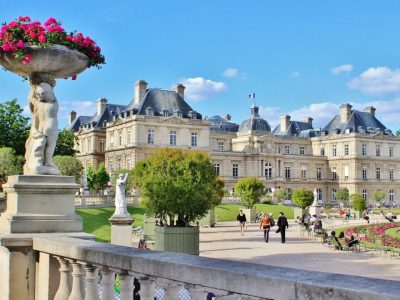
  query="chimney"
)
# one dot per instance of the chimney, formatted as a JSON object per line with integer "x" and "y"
{"x": 140, "y": 90}
{"x": 345, "y": 112}
{"x": 371, "y": 110}
{"x": 101, "y": 105}
{"x": 228, "y": 117}
{"x": 285, "y": 121}
{"x": 180, "y": 89}
{"x": 71, "y": 117}
{"x": 309, "y": 120}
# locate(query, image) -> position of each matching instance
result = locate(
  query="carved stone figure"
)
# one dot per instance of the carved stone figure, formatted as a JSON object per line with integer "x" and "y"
{"x": 315, "y": 203}
{"x": 43, "y": 135}
{"x": 120, "y": 199}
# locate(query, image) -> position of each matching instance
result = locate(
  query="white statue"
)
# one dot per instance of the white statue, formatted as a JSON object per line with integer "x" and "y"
{"x": 42, "y": 139}
{"x": 84, "y": 179}
{"x": 120, "y": 200}
{"x": 315, "y": 203}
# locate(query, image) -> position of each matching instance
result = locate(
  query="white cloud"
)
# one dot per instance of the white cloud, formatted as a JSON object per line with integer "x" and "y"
{"x": 347, "y": 68}
{"x": 82, "y": 108}
{"x": 295, "y": 74}
{"x": 199, "y": 88}
{"x": 377, "y": 81}
{"x": 230, "y": 72}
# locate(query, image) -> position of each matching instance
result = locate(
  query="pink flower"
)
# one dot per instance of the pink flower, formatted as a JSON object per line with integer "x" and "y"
{"x": 20, "y": 44}
{"x": 24, "y": 19}
{"x": 32, "y": 35}
{"x": 50, "y": 21}
{"x": 42, "y": 38}
{"x": 74, "y": 77}
{"x": 27, "y": 59}
{"x": 6, "y": 47}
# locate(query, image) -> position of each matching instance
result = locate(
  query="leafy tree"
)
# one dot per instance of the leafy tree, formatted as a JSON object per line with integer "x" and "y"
{"x": 65, "y": 143}
{"x": 379, "y": 195}
{"x": 281, "y": 194}
{"x": 219, "y": 192}
{"x": 14, "y": 127}
{"x": 10, "y": 163}
{"x": 177, "y": 185}
{"x": 302, "y": 198}
{"x": 69, "y": 166}
{"x": 97, "y": 179}
{"x": 129, "y": 182}
{"x": 250, "y": 190}
{"x": 397, "y": 133}
{"x": 342, "y": 195}
{"x": 358, "y": 203}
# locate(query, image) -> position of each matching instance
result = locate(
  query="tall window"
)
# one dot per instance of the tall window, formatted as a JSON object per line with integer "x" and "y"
{"x": 220, "y": 145}
{"x": 128, "y": 136}
{"x": 346, "y": 149}
{"x": 303, "y": 173}
{"x": 289, "y": 193}
{"x": 322, "y": 151}
{"x": 119, "y": 165}
{"x": 102, "y": 145}
{"x": 287, "y": 149}
{"x": 378, "y": 173}
{"x": 319, "y": 194}
{"x": 235, "y": 170}
{"x": 194, "y": 139}
{"x": 287, "y": 172}
{"x": 268, "y": 170}
{"x": 364, "y": 173}
{"x": 378, "y": 150}
{"x": 120, "y": 138}
{"x": 111, "y": 164}
{"x": 364, "y": 149}
{"x": 334, "y": 174}
{"x": 128, "y": 163}
{"x": 111, "y": 139}
{"x": 391, "y": 152}
{"x": 334, "y": 150}
{"x": 391, "y": 195}
{"x": 346, "y": 172}
{"x": 391, "y": 173}
{"x": 216, "y": 166}
{"x": 333, "y": 194}
{"x": 319, "y": 173}
{"x": 365, "y": 195}
{"x": 302, "y": 150}
{"x": 89, "y": 144}
{"x": 172, "y": 138}
{"x": 150, "y": 136}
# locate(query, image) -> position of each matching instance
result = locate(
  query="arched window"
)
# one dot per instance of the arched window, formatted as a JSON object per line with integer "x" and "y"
{"x": 268, "y": 170}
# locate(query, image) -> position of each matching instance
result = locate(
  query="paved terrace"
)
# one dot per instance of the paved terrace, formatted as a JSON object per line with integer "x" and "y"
{"x": 224, "y": 241}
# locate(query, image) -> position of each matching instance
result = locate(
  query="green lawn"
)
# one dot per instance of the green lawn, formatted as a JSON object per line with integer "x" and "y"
{"x": 228, "y": 212}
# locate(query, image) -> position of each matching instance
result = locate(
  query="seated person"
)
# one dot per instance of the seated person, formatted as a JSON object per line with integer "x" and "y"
{"x": 317, "y": 224}
{"x": 335, "y": 238}
{"x": 389, "y": 216}
{"x": 142, "y": 244}
{"x": 352, "y": 241}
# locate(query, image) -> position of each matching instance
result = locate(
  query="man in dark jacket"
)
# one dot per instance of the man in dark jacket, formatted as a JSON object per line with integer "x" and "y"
{"x": 282, "y": 225}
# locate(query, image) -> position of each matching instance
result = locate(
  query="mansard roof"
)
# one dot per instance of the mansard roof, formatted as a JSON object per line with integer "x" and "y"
{"x": 359, "y": 122}
{"x": 161, "y": 100}
{"x": 254, "y": 122}
{"x": 218, "y": 123}
{"x": 296, "y": 128}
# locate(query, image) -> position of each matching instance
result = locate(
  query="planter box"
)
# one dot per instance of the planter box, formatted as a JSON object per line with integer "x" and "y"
{"x": 209, "y": 219}
{"x": 177, "y": 239}
{"x": 149, "y": 225}
{"x": 298, "y": 212}
{"x": 250, "y": 214}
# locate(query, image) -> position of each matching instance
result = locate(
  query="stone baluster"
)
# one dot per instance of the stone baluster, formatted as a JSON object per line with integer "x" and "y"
{"x": 92, "y": 279}
{"x": 126, "y": 286}
{"x": 196, "y": 292}
{"x": 147, "y": 287}
{"x": 76, "y": 293}
{"x": 171, "y": 288}
{"x": 107, "y": 281}
{"x": 63, "y": 289}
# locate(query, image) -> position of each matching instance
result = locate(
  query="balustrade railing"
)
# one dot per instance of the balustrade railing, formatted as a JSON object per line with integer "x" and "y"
{"x": 102, "y": 200}
{"x": 87, "y": 270}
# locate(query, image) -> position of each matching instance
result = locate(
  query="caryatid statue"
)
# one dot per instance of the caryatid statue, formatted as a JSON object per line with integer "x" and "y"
{"x": 120, "y": 199}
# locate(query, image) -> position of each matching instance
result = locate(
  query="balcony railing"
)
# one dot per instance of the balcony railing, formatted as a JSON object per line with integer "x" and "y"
{"x": 87, "y": 271}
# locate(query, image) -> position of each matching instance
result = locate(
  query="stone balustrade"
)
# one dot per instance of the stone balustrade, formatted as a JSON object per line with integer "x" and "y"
{"x": 79, "y": 265}
{"x": 82, "y": 201}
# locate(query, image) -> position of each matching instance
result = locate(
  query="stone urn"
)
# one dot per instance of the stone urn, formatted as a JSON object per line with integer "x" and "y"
{"x": 46, "y": 65}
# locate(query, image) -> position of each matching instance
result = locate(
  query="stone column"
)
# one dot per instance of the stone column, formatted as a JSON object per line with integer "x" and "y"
{"x": 121, "y": 230}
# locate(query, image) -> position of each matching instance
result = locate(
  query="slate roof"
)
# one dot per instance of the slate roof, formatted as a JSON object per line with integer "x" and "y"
{"x": 296, "y": 128}
{"x": 254, "y": 122}
{"x": 359, "y": 121}
{"x": 218, "y": 123}
{"x": 160, "y": 100}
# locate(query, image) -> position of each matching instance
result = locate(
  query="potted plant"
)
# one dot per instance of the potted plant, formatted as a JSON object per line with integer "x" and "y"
{"x": 178, "y": 187}
{"x": 302, "y": 198}
{"x": 250, "y": 190}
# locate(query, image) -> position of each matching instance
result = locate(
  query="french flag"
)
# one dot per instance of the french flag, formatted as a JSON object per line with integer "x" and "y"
{"x": 252, "y": 96}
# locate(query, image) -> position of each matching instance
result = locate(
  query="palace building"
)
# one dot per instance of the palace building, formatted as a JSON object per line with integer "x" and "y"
{"x": 354, "y": 151}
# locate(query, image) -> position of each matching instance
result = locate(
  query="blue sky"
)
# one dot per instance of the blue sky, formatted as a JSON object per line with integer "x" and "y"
{"x": 302, "y": 58}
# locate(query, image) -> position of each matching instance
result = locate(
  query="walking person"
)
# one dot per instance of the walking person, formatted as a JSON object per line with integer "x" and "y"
{"x": 282, "y": 226}
{"x": 265, "y": 224}
{"x": 241, "y": 217}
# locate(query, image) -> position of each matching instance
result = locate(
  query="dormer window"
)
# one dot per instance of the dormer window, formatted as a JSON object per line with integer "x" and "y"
{"x": 165, "y": 113}
{"x": 149, "y": 111}
{"x": 192, "y": 114}
{"x": 178, "y": 113}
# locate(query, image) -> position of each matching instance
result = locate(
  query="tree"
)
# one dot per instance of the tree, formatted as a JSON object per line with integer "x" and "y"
{"x": 358, "y": 203}
{"x": 97, "y": 179}
{"x": 250, "y": 190}
{"x": 397, "y": 133}
{"x": 342, "y": 195}
{"x": 10, "y": 163}
{"x": 129, "y": 182}
{"x": 379, "y": 195}
{"x": 177, "y": 185}
{"x": 302, "y": 198}
{"x": 281, "y": 194}
{"x": 14, "y": 127}
{"x": 69, "y": 166}
{"x": 219, "y": 192}
{"x": 65, "y": 143}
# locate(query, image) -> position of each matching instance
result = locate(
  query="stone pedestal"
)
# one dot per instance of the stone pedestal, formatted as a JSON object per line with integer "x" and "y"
{"x": 121, "y": 230}
{"x": 315, "y": 210}
{"x": 40, "y": 203}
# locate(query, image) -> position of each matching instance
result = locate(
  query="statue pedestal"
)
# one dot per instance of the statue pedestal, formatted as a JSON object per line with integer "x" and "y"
{"x": 315, "y": 210}
{"x": 121, "y": 230}
{"x": 40, "y": 203}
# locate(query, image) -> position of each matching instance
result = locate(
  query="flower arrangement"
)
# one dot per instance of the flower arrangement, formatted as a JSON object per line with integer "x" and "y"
{"x": 374, "y": 232}
{"x": 16, "y": 35}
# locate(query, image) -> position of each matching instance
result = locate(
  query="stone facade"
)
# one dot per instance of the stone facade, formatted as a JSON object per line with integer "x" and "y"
{"x": 354, "y": 151}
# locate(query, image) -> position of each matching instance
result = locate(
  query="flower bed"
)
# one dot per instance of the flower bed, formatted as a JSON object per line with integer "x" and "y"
{"x": 17, "y": 35}
{"x": 372, "y": 233}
